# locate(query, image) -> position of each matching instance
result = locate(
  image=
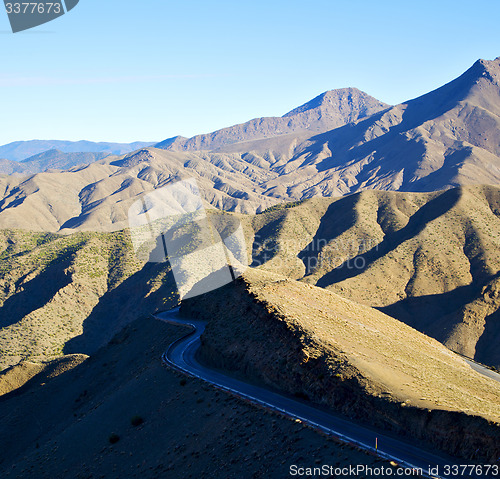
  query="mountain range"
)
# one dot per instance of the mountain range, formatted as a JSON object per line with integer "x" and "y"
{"x": 327, "y": 111}
{"x": 373, "y": 237}
{"x": 342, "y": 142}
{"x": 21, "y": 150}
{"x": 36, "y": 156}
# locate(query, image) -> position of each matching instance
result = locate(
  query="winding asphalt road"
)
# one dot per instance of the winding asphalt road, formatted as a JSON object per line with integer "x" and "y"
{"x": 181, "y": 355}
{"x": 482, "y": 369}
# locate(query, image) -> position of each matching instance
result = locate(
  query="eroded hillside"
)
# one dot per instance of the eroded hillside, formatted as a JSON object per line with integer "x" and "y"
{"x": 429, "y": 259}
{"x": 313, "y": 343}
{"x": 71, "y": 294}
{"x": 341, "y": 143}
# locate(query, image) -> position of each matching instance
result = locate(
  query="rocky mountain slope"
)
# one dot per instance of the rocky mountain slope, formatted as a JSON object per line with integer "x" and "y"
{"x": 317, "y": 345}
{"x": 431, "y": 260}
{"x": 446, "y": 138}
{"x": 9, "y": 167}
{"x": 327, "y": 111}
{"x": 58, "y": 160}
{"x": 60, "y": 425}
{"x": 72, "y": 294}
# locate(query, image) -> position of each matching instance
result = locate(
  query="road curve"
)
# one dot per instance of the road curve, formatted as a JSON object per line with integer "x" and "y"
{"x": 489, "y": 373}
{"x": 181, "y": 355}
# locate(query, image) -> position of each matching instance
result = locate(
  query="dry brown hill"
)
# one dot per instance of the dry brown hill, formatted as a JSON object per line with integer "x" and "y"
{"x": 71, "y": 294}
{"x": 9, "y": 167}
{"x": 15, "y": 377}
{"x": 446, "y": 138}
{"x": 329, "y": 110}
{"x": 431, "y": 260}
{"x": 60, "y": 427}
{"x": 316, "y": 344}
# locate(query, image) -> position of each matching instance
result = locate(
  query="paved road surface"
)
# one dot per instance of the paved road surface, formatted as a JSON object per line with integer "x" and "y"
{"x": 482, "y": 369}
{"x": 182, "y": 355}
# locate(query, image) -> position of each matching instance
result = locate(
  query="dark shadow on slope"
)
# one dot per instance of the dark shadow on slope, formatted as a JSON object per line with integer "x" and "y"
{"x": 50, "y": 373}
{"x": 488, "y": 346}
{"x": 339, "y": 140}
{"x": 75, "y": 222}
{"x": 392, "y": 150}
{"x": 450, "y": 169}
{"x": 122, "y": 305}
{"x": 339, "y": 217}
{"x": 266, "y": 243}
{"x": 383, "y": 156}
{"x": 429, "y": 212}
{"x": 438, "y": 314}
{"x": 37, "y": 292}
{"x": 17, "y": 202}
{"x": 437, "y": 102}
{"x": 432, "y": 314}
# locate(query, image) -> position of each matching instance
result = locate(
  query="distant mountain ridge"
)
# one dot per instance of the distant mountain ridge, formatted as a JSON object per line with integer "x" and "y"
{"x": 21, "y": 150}
{"x": 447, "y": 138}
{"x": 329, "y": 110}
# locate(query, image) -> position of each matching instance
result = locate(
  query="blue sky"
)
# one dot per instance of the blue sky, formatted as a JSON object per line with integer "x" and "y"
{"x": 148, "y": 70}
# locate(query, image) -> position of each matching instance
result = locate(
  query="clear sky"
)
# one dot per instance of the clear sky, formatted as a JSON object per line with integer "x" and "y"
{"x": 151, "y": 69}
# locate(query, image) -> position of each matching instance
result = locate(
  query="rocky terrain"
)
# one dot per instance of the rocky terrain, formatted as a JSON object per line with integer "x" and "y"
{"x": 441, "y": 140}
{"x": 72, "y": 294}
{"x": 327, "y": 111}
{"x": 121, "y": 413}
{"x": 373, "y": 233}
{"x": 315, "y": 344}
{"x": 430, "y": 260}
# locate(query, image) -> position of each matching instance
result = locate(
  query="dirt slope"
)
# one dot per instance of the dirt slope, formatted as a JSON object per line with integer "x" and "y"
{"x": 72, "y": 294}
{"x": 329, "y": 110}
{"x": 429, "y": 259}
{"x": 60, "y": 427}
{"x": 441, "y": 140}
{"x": 316, "y": 344}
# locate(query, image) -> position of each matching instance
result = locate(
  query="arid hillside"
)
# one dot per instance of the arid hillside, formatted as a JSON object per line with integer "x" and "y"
{"x": 327, "y": 111}
{"x": 339, "y": 143}
{"x": 60, "y": 424}
{"x": 429, "y": 259}
{"x": 72, "y": 294}
{"x": 317, "y": 345}
{"x": 446, "y": 138}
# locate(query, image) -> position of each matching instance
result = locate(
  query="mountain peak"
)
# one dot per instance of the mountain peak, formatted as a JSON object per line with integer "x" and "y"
{"x": 490, "y": 69}
{"x": 490, "y": 64}
{"x": 326, "y": 98}
{"x": 350, "y": 104}
{"x": 329, "y": 110}
{"x": 171, "y": 141}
